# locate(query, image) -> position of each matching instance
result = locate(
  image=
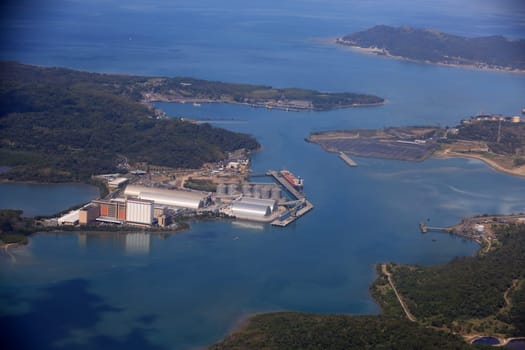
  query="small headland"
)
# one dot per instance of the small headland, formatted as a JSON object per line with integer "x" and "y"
{"x": 448, "y": 306}
{"x": 431, "y": 46}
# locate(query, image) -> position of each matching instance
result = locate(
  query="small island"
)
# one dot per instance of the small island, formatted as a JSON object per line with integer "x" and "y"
{"x": 494, "y": 139}
{"x": 432, "y": 46}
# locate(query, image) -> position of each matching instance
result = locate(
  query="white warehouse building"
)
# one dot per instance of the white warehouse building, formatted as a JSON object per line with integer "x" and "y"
{"x": 163, "y": 196}
{"x": 251, "y": 208}
{"x": 139, "y": 211}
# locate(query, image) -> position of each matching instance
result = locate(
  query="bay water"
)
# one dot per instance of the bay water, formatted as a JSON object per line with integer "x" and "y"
{"x": 80, "y": 291}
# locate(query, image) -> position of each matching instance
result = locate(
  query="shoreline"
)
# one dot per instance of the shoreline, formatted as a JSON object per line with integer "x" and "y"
{"x": 267, "y": 105}
{"x": 493, "y": 165}
{"x": 385, "y": 53}
{"x": 243, "y": 321}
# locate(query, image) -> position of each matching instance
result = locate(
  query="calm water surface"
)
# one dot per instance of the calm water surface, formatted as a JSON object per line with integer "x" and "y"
{"x": 80, "y": 291}
{"x": 44, "y": 199}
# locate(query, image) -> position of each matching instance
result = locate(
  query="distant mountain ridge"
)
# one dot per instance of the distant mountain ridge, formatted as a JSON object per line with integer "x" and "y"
{"x": 432, "y": 46}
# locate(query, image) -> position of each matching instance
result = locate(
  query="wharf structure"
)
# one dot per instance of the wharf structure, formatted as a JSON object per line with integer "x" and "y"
{"x": 148, "y": 205}
{"x": 347, "y": 159}
{"x": 298, "y": 207}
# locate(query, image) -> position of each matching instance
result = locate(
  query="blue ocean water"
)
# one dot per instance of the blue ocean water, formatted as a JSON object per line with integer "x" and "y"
{"x": 188, "y": 290}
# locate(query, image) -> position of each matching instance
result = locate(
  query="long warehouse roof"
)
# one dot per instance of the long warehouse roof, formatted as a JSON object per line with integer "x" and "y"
{"x": 177, "y": 198}
{"x": 268, "y": 202}
{"x": 250, "y": 210}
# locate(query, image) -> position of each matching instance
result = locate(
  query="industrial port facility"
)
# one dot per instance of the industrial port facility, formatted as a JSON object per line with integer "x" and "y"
{"x": 131, "y": 203}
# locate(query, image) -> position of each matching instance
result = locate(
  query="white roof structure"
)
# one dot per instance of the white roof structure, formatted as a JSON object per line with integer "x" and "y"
{"x": 70, "y": 218}
{"x": 268, "y": 202}
{"x": 248, "y": 210}
{"x": 253, "y": 208}
{"x": 119, "y": 181}
{"x": 176, "y": 198}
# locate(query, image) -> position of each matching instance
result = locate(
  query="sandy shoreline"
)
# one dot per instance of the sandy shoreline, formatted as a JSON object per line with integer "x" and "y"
{"x": 385, "y": 53}
{"x": 520, "y": 171}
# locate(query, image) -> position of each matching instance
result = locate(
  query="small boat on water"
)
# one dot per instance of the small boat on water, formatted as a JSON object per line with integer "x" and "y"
{"x": 195, "y": 104}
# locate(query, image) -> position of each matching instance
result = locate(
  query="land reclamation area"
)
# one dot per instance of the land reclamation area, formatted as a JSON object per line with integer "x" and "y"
{"x": 499, "y": 141}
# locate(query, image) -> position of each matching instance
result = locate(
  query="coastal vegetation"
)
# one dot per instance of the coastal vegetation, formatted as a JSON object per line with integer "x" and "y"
{"x": 13, "y": 227}
{"x": 467, "y": 295}
{"x": 427, "y": 45}
{"x": 61, "y": 125}
{"x": 200, "y": 185}
{"x": 189, "y": 90}
{"x": 291, "y": 330}
{"x": 484, "y": 294}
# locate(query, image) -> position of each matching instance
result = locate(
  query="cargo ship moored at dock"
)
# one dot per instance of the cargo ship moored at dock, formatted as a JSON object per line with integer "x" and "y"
{"x": 296, "y": 182}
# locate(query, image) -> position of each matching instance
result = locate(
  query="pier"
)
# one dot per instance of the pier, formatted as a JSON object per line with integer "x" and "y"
{"x": 347, "y": 159}
{"x": 424, "y": 228}
{"x": 303, "y": 206}
{"x": 293, "y": 191}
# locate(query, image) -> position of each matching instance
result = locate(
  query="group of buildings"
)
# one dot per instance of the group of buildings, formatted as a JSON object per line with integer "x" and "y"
{"x": 142, "y": 205}
{"x": 147, "y": 206}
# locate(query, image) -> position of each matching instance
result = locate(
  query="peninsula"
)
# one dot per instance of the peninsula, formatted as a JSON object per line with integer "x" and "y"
{"x": 59, "y": 125}
{"x": 496, "y": 140}
{"x": 432, "y": 46}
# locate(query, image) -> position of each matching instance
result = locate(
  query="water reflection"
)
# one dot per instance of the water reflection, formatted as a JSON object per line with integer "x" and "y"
{"x": 137, "y": 243}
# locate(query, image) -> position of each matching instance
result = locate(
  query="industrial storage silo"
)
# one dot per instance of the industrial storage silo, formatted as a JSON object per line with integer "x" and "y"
{"x": 266, "y": 192}
{"x": 233, "y": 188}
{"x": 222, "y": 189}
{"x": 257, "y": 189}
{"x": 276, "y": 193}
{"x": 247, "y": 189}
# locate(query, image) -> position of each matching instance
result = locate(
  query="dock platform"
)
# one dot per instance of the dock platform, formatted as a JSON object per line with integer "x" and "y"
{"x": 347, "y": 159}
{"x": 295, "y": 193}
{"x": 283, "y": 223}
{"x": 285, "y": 184}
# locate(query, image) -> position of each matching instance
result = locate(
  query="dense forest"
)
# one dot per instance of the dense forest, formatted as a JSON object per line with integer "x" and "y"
{"x": 511, "y": 135}
{"x": 288, "y": 330}
{"x": 62, "y": 125}
{"x": 438, "y": 47}
{"x": 467, "y": 289}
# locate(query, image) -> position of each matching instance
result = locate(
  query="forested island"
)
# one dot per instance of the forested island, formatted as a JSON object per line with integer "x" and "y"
{"x": 432, "y": 46}
{"x": 449, "y": 305}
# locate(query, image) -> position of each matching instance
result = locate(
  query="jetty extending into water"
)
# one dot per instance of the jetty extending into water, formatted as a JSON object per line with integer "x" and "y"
{"x": 347, "y": 159}
{"x": 299, "y": 206}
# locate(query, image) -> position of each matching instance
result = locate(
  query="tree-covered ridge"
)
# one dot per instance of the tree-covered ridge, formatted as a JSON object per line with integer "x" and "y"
{"x": 288, "y": 330}
{"x": 501, "y": 137}
{"x": 60, "y": 125}
{"x": 438, "y": 47}
{"x": 468, "y": 294}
